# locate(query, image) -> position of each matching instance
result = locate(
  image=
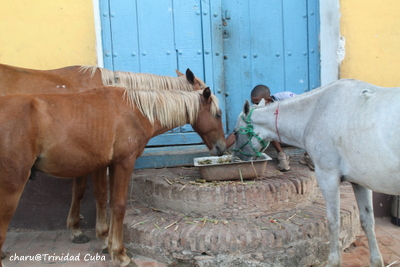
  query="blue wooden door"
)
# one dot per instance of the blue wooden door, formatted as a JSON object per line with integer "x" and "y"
{"x": 159, "y": 37}
{"x": 232, "y": 45}
{"x": 274, "y": 43}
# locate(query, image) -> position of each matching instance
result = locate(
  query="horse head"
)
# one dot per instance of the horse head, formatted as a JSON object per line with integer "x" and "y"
{"x": 197, "y": 83}
{"x": 209, "y": 123}
{"x": 248, "y": 144}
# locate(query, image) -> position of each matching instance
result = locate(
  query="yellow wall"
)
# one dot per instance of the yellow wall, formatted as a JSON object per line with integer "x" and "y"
{"x": 47, "y": 34}
{"x": 372, "y": 32}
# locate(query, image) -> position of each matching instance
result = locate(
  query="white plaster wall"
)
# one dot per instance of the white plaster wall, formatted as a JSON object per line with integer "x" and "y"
{"x": 331, "y": 44}
{"x": 97, "y": 26}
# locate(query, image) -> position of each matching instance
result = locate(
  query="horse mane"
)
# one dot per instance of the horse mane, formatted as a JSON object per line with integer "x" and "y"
{"x": 142, "y": 81}
{"x": 167, "y": 106}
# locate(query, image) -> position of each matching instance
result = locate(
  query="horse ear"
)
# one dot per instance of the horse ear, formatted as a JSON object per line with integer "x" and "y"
{"x": 190, "y": 76}
{"x": 262, "y": 102}
{"x": 207, "y": 94}
{"x": 179, "y": 73}
{"x": 246, "y": 107}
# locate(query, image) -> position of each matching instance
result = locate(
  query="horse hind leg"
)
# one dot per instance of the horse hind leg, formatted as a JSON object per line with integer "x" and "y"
{"x": 99, "y": 180}
{"x": 10, "y": 193}
{"x": 364, "y": 202}
{"x": 73, "y": 220}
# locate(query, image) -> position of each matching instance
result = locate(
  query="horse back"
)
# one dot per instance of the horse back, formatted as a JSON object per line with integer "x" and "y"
{"x": 15, "y": 80}
{"x": 69, "y": 135}
{"x": 355, "y": 125}
{"x": 352, "y": 105}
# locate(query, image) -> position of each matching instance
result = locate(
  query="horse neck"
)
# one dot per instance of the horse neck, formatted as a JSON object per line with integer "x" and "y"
{"x": 285, "y": 121}
{"x": 158, "y": 129}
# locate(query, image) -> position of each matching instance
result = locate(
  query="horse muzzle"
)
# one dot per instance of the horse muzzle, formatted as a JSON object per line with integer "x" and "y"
{"x": 218, "y": 149}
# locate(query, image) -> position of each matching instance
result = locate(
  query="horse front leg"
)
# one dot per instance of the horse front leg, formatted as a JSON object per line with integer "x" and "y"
{"x": 119, "y": 181}
{"x": 73, "y": 220}
{"x": 329, "y": 185}
{"x": 365, "y": 207}
{"x": 99, "y": 180}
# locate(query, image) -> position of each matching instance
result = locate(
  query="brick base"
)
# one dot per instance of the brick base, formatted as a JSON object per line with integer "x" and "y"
{"x": 296, "y": 236}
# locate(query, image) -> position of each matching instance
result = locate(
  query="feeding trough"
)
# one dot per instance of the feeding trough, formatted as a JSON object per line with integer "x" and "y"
{"x": 223, "y": 168}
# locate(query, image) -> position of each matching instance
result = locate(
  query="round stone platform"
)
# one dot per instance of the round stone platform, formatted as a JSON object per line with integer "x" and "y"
{"x": 225, "y": 228}
{"x": 174, "y": 190}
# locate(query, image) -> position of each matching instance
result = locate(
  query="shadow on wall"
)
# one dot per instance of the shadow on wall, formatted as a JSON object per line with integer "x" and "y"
{"x": 45, "y": 202}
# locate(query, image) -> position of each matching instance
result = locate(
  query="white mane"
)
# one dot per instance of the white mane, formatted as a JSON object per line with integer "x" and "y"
{"x": 143, "y": 81}
{"x": 167, "y": 106}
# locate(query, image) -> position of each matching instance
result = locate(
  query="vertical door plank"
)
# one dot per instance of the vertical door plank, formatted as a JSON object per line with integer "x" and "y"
{"x": 296, "y": 45}
{"x": 156, "y": 37}
{"x": 314, "y": 66}
{"x": 213, "y": 50}
{"x": 237, "y": 64}
{"x": 267, "y": 46}
{"x": 188, "y": 35}
{"x": 124, "y": 35}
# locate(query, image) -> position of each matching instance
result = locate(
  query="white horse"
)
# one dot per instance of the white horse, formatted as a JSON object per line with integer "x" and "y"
{"x": 351, "y": 130}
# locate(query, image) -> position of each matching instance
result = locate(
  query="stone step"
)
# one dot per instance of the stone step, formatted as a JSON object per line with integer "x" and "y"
{"x": 292, "y": 238}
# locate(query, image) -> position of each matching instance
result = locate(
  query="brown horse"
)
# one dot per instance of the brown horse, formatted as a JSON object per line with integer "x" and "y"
{"x": 72, "y": 135}
{"x": 15, "y": 80}
{"x": 73, "y": 79}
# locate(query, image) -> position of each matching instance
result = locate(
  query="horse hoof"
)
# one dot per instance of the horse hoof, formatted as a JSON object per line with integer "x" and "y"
{"x": 3, "y": 255}
{"x": 80, "y": 239}
{"x": 129, "y": 254}
{"x": 131, "y": 264}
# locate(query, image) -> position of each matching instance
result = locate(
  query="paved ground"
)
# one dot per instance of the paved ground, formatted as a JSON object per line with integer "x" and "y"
{"x": 47, "y": 248}
{"x": 49, "y": 244}
{"x": 388, "y": 236}
{"x": 44, "y": 246}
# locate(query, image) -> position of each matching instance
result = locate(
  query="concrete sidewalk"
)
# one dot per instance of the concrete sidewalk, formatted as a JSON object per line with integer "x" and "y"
{"x": 48, "y": 245}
